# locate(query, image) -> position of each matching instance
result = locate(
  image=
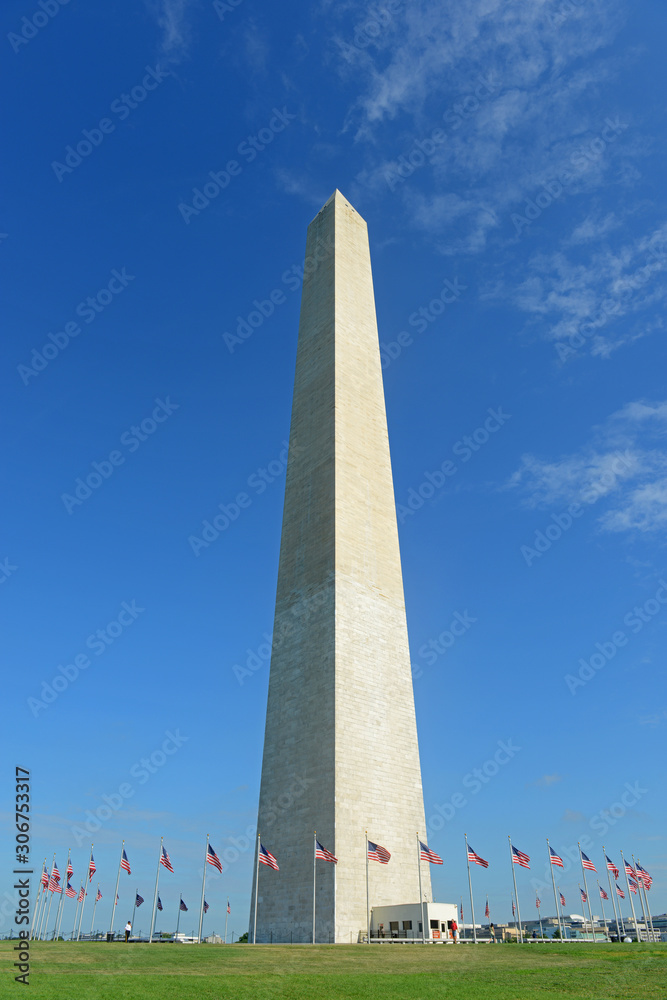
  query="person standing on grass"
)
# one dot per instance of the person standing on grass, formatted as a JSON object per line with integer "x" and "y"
{"x": 455, "y": 931}
{"x": 128, "y": 931}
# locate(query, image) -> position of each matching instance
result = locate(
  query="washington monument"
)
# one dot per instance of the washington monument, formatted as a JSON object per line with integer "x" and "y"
{"x": 340, "y": 747}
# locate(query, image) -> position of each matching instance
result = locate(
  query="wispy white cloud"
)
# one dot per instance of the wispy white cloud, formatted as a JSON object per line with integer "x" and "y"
{"x": 581, "y": 304}
{"x": 175, "y": 37}
{"x": 625, "y": 464}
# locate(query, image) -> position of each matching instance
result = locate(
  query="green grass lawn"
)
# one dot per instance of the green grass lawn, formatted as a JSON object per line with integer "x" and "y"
{"x": 345, "y": 972}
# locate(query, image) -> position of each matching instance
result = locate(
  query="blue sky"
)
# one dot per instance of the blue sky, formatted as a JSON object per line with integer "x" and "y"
{"x": 507, "y": 158}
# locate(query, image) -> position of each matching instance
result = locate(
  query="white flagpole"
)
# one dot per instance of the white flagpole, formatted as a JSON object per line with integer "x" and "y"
{"x": 314, "y": 877}
{"x": 604, "y": 919}
{"x": 259, "y": 844}
{"x": 421, "y": 894}
{"x": 368, "y": 910}
{"x": 563, "y": 932}
{"x": 539, "y": 914}
{"x": 115, "y": 895}
{"x": 648, "y": 908}
{"x": 38, "y": 904}
{"x": 86, "y": 882}
{"x": 134, "y": 908}
{"x": 157, "y": 879}
{"x": 59, "y": 915}
{"x": 48, "y": 909}
{"x": 640, "y": 883}
{"x": 588, "y": 898}
{"x": 178, "y": 918}
{"x": 92, "y": 922}
{"x": 226, "y": 918}
{"x": 76, "y": 911}
{"x": 203, "y": 890}
{"x": 472, "y": 905}
{"x": 612, "y": 892}
{"x": 516, "y": 895}
{"x": 553, "y": 882}
{"x": 632, "y": 905}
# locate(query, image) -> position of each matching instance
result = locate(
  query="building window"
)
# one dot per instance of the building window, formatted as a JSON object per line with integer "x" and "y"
{"x": 407, "y": 925}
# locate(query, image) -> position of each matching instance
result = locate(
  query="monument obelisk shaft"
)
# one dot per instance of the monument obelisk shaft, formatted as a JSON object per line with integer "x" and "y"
{"x": 340, "y": 750}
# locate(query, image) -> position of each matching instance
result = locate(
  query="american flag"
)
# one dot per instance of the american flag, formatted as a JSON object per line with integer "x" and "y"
{"x": 82, "y": 893}
{"x": 633, "y": 886}
{"x": 612, "y": 867}
{"x": 486, "y": 909}
{"x": 159, "y": 903}
{"x": 69, "y": 891}
{"x": 603, "y": 894}
{"x": 513, "y": 909}
{"x": 229, "y": 909}
{"x": 475, "y": 858}
{"x": 620, "y": 892}
{"x": 266, "y": 858}
{"x": 206, "y": 907}
{"x": 584, "y": 897}
{"x": 322, "y": 854}
{"x": 555, "y": 858}
{"x": 629, "y": 870}
{"x": 117, "y": 898}
{"x": 45, "y": 876}
{"x": 538, "y": 902}
{"x": 586, "y": 862}
{"x": 98, "y": 896}
{"x": 461, "y": 912}
{"x": 125, "y": 864}
{"x": 183, "y": 907}
{"x": 426, "y": 854}
{"x": 54, "y": 880}
{"x": 213, "y": 858}
{"x": 519, "y": 858}
{"x": 70, "y": 870}
{"x": 164, "y": 860}
{"x": 377, "y": 853}
{"x": 139, "y": 900}
{"x": 562, "y": 899}
{"x": 91, "y": 867}
{"x": 644, "y": 876}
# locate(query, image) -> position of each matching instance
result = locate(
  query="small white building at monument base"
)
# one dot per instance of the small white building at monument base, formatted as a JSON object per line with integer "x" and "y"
{"x": 403, "y": 921}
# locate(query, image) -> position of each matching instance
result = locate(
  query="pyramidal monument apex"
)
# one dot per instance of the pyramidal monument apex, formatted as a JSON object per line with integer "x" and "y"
{"x": 340, "y": 747}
